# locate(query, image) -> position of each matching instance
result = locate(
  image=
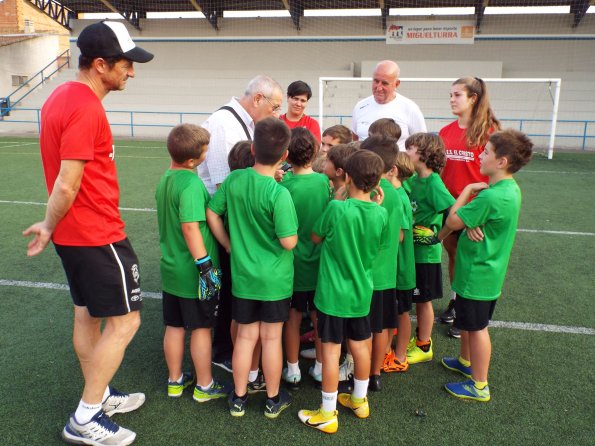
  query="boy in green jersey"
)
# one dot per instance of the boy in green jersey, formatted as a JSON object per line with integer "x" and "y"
{"x": 262, "y": 233}
{"x": 429, "y": 200}
{"x": 334, "y": 166}
{"x": 482, "y": 259}
{"x": 190, "y": 297}
{"x": 351, "y": 232}
{"x": 383, "y": 310}
{"x": 311, "y": 194}
{"x": 397, "y": 361}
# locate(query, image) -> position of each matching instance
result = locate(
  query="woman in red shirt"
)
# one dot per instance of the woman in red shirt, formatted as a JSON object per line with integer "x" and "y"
{"x": 464, "y": 139}
{"x": 298, "y": 95}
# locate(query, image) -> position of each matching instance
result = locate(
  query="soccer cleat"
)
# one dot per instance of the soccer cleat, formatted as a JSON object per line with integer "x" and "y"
{"x": 272, "y": 409}
{"x": 359, "y": 406}
{"x": 397, "y": 366}
{"x": 237, "y": 406}
{"x": 411, "y": 343}
{"x": 118, "y": 402}
{"x": 455, "y": 365}
{"x": 448, "y": 315}
{"x": 258, "y": 385}
{"x": 326, "y": 422}
{"x": 315, "y": 377}
{"x": 307, "y": 337}
{"x": 176, "y": 388}
{"x": 217, "y": 390}
{"x": 416, "y": 354}
{"x": 388, "y": 360}
{"x": 99, "y": 431}
{"x": 225, "y": 365}
{"x": 293, "y": 381}
{"x": 346, "y": 386}
{"x": 374, "y": 383}
{"x": 466, "y": 390}
{"x": 346, "y": 369}
{"x": 454, "y": 332}
{"x": 308, "y": 353}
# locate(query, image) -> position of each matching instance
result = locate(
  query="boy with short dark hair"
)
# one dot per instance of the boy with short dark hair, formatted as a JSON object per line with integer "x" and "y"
{"x": 386, "y": 127}
{"x": 481, "y": 263}
{"x": 311, "y": 194}
{"x": 335, "y": 135}
{"x": 383, "y": 311}
{"x": 190, "y": 297}
{"x": 240, "y": 156}
{"x": 429, "y": 200}
{"x": 263, "y": 232}
{"x": 334, "y": 165}
{"x": 351, "y": 232}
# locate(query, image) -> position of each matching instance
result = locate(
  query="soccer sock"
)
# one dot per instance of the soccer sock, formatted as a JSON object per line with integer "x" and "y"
{"x": 293, "y": 368}
{"x": 177, "y": 381}
{"x": 317, "y": 368}
{"x": 464, "y": 362}
{"x": 360, "y": 388}
{"x": 329, "y": 401}
{"x": 207, "y": 387}
{"x": 480, "y": 384}
{"x": 84, "y": 412}
{"x": 106, "y": 393}
{"x": 252, "y": 375}
{"x": 423, "y": 345}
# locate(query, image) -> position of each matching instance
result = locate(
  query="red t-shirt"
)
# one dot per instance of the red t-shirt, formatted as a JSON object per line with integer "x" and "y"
{"x": 462, "y": 163}
{"x": 74, "y": 127}
{"x": 305, "y": 121}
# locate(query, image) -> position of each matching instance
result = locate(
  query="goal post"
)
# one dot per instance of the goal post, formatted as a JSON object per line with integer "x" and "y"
{"x": 528, "y": 104}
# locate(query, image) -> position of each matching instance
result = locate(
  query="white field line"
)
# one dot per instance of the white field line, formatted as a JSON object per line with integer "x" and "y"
{"x": 536, "y": 231}
{"x": 556, "y": 172}
{"x": 497, "y": 324}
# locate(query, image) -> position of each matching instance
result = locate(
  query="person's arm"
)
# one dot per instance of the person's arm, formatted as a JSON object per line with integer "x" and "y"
{"x": 401, "y": 236}
{"x": 289, "y": 243}
{"x": 64, "y": 192}
{"x": 217, "y": 227}
{"x": 194, "y": 240}
{"x": 316, "y": 239}
{"x": 454, "y": 222}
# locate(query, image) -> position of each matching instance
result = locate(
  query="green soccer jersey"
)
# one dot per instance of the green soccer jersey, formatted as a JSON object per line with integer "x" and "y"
{"x": 480, "y": 267}
{"x": 385, "y": 267}
{"x": 406, "y": 257}
{"x": 429, "y": 199}
{"x": 181, "y": 198}
{"x": 259, "y": 213}
{"x": 311, "y": 194}
{"x": 353, "y": 232}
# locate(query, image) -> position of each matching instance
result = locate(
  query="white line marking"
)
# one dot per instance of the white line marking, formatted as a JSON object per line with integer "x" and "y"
{"x": 495, "y": 324}
{"x": 556, "y": 172}
{"x": 543, "y": 231}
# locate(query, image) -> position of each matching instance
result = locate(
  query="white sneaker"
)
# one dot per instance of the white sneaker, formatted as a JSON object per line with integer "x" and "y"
{"x": 98, "y": 432}
{"x": 118, "y": 402}
{"x": 346, "y": 369}
{"x": 308, "y": 353}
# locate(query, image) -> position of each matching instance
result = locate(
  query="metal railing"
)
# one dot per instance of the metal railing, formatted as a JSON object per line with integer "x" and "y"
{"x": 7, "y": 103}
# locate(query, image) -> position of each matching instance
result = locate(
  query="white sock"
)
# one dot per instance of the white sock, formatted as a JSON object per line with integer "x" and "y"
{"x": 252, "y": 375}
{"x": 329, "y": 401}
{"x": 207, "y": 387}
{"x": 106, "y": 393}
{"x": 360, "y": 388}
{"x": 317, "y": 368}
{"x": 85, "y": 411}
{"x": 293, "y": 368}
{"x": 179, "y": 380}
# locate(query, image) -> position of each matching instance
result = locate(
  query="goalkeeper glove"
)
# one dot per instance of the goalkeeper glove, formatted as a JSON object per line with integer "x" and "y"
{"x": 424, "y": 236}
{"x": 209, "y": 282}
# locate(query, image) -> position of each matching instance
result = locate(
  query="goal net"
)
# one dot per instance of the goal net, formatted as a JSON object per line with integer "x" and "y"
{"x": 528, "y": 105}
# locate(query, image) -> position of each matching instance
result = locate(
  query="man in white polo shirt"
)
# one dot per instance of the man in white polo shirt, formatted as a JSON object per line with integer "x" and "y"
{"x": 385, "y": 102}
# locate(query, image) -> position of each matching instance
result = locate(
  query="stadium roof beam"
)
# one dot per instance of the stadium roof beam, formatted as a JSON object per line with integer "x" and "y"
{"x": 209, "y": 9}
{"x": 480, "y": 7}
{"x": 130, "y": 15}
{"x": 296, "y": 11}
{"x": 579, "y": 9}
{"x": 56, "y": 11}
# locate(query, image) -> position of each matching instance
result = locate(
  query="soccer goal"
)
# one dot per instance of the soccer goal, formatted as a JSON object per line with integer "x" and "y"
{"x": 529, "y": 105}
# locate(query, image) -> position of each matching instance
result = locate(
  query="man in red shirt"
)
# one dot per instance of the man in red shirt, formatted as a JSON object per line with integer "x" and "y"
{"x": 83, "y": 221}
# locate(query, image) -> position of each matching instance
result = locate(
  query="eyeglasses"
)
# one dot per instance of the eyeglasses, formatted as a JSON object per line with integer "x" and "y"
{"x": 276, "y": 108}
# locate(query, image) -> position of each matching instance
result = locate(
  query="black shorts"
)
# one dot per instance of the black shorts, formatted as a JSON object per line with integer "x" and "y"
{"x": 404, "y": 300}
{"x": 303, "y": 301}
{"x": 383, "y": 310}
{"x": 336, "y": 329}
{"x": 105, "y": 279}
{"x": 247, "y": 311}
{"x": 473, "y": 315}
{"x": 188, "y": 313}
{"x": 428, "y": 282}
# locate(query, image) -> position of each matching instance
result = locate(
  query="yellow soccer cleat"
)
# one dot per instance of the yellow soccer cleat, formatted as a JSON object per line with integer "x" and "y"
{"x": 326, "y": 422}
{"x": 359, "y": 406}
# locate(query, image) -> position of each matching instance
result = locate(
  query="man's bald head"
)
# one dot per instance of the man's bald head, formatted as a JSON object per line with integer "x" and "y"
{"x": 385, "y": 81}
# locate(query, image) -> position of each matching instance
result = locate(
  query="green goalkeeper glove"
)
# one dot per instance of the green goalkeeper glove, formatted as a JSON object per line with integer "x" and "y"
{"x": 424, "y": 236}
{"x": 209, "y": 281}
